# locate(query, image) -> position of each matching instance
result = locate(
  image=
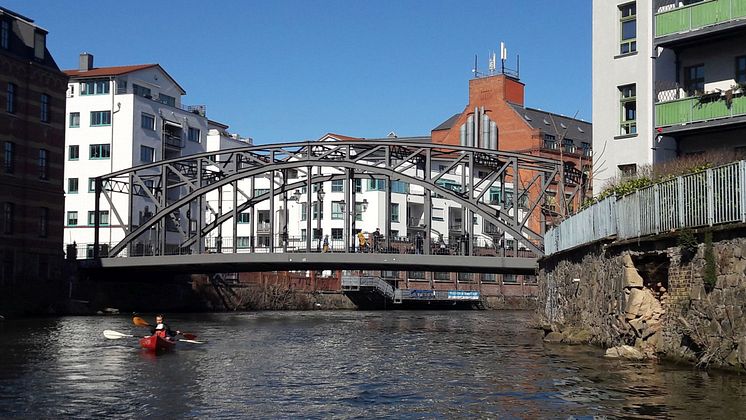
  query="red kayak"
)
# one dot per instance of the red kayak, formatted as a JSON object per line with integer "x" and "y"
{"x": 157, "y": 344}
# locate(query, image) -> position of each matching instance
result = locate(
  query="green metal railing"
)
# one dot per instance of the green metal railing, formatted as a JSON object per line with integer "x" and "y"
{"x": 698, "y": 15}
{"x": 695, "y": 109}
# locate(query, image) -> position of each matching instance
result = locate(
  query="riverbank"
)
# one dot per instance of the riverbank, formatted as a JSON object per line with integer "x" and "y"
{"x": 677, "y": 302}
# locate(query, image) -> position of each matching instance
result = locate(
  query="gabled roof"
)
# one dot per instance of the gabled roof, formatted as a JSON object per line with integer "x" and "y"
{"x": 555, "y": 124}
{"x": 447, "y": 124}
{"x": 339, "y": 137}
{"x": 117, "y": 71}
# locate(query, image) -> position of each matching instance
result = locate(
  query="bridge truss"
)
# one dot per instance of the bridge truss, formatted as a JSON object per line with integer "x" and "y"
{"x": 164, "y": 208}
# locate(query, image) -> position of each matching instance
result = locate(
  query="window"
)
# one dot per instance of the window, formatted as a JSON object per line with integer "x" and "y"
{"x": 72, "y": 185}
{"x": 441, "y": 276}
{"x": 489, "y": 278}
{"x": 40, "y": 44}
{"x": 147, "y": 154}
{"x": 8, "y": 218}
{"x": 99, "y": 118}
{"x": 91, "y": 184}
{"x": 416, "y": 275}
{"x": 10, "y": 100}
{"x": 317, "y": 234}
{"x": 568, "y": 145}
{"x": 168, "y": 100}
{"x": 5, "y": 34}
{"x": 510, "y": 279}
{"x": 337, "y": 210}
{"x": 72, "y": 218}
{"x": 400, "y": 187}
{"x": 147, "y": 121}
{"x": 103, "y": 218}
{"x": 94, "y": 87}
{"x": 99, "y": 151}
{"x": 303, "y": 211}
{"x": 358, "y": 211}
{"x": 337, "y": 234}
{"x": 243, "y": 242}
{"x": 73, "y": 152}
{"x": 694, "y": 80}
{"x": 43, "y": 221}
{"x": 244, "y": 217}
{"x": 587, "y": 151}
{"x": 465, "y": 277}
{"x": 741, "y": 69}
{"x": 8, "y": 157}
{"x": 43, "y": 164}
{"x": 260, "y": 191}
{"x": 315, "y": 209}
{"x": 358, "y": 185}
{"x": 193, "y": 134}
{"x": 74, "y": 119}
{"x": 628, "y": 170}
{"x": 376, "y": 185}
{"x": 141, "y": 91}
{"x": 628, "y": 20}
{"x": 338, "y": 185}
{"x": 395, "y": 212}
{"x": 628, "y": 106}
{"x": 44, "y": 108}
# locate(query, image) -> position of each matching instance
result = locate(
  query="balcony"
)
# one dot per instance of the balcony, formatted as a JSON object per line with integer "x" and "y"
{"x": 173, "y": 141}
{"x": 674, "y": 19}
{"x": 699, "y": 109}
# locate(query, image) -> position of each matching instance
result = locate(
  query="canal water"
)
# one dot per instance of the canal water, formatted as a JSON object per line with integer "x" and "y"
{"x": 342, "y": 364}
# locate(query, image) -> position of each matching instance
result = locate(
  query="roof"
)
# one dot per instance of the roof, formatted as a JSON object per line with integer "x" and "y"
{"x": 117, "y": 71}
{"x": 447, "y": 124}
{"x": 555, "y": 124}
{"x": 339, "y": 137}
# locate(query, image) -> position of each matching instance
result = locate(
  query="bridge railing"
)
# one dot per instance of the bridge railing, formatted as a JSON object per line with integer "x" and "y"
{"x": 356, "y": 282}
{"x": 711, "y": 197}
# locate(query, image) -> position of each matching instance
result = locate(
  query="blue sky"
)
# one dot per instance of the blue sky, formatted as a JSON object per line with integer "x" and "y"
{"x": 287, "y": 70}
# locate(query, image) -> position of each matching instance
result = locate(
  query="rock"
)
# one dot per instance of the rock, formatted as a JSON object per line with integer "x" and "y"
{"x": 638, "y": 325}
{"x": 654, "y": 339}
{"x": 732, "y": 358}
{"x": 578, "y": 336}
{"x": 627, "y": 261}
{"x": 697, "y": 292}
{"x": 624, "y": 352}
{"x": 632, "y": 278}
{"x": 553, "y": 337}
{"x": 742, "y": 350}
{"x": 634, "y": 301}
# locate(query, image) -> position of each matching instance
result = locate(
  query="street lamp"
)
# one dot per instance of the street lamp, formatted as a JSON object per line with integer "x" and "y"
{"x": 320, "y": 199}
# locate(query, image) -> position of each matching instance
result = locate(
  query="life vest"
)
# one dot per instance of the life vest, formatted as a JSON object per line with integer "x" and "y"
{"x": 160, "y": 331}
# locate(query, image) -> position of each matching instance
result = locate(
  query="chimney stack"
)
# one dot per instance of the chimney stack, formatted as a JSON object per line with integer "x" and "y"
{"x": 86, "y": 62}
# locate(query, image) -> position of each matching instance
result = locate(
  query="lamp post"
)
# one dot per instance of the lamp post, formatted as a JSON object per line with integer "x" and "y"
{"x": 320, "y": 200}
{"x": 296, "y": 198}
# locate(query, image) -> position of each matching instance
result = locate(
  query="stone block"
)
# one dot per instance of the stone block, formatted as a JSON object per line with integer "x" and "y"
{"x": 654, "y": 339}
{"x": 627, "y": 261}
{"x": 632, "y": 278}
{"x": 624, "y": 352}
{"x": 634, "y": 302}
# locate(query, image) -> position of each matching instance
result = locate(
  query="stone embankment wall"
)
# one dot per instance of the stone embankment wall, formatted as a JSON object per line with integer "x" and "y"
{"x": 651, "y": 298}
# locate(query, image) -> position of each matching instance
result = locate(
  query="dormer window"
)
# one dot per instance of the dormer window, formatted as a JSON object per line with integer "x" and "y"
{"x": 40, "y": 44}
{"x": 168, "y": 100}
{"x": 94, "y": 87}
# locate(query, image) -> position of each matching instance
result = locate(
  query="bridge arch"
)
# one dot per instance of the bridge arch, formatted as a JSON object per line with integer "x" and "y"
{"x": 184, "y": 183}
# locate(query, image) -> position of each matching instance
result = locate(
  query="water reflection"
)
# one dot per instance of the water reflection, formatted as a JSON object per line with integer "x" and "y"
{"x": 341, "y": 364}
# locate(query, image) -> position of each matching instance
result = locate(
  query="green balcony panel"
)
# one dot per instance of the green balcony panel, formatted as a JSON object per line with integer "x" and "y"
{"x": 690, "y": 110}
{"x": 698, "y": 15}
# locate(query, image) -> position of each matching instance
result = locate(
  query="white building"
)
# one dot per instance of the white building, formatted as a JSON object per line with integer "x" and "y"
{"x": 668, "y": 79}
{"x": 117, "y": 118}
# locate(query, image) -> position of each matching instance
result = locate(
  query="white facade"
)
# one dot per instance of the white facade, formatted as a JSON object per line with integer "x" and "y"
{"x": 117, "y": 118}
{"x": 686, "y": 60}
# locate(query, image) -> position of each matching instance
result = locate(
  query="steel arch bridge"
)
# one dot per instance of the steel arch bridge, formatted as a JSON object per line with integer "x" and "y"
{"x": 183, "y": 219}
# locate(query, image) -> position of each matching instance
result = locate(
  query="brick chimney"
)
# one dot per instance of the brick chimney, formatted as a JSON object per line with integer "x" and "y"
{"x": 86, "y": 62}
{"x": 485, "y": 90}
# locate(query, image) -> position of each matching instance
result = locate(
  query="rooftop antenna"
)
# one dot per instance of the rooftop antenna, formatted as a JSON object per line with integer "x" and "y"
{"x": 493, "y": 63}
{"x": 503, "y": 56}
{"x": 475, "y": 70}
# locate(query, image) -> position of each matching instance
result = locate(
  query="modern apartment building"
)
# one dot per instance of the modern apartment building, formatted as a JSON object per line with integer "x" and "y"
{"x": 117, "y": 118}
{"x": 668, "y": 81}
{"x": 32, "y": 115}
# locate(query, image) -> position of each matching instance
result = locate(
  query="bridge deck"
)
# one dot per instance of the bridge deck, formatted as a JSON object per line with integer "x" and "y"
{"x": 225, "y": 263}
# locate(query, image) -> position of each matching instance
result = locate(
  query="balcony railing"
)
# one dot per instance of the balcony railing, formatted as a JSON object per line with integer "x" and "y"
{"x": 173, "y": 140}
{"x": 550, "y": 144}
{"x": 699, "y": 108}
{"x": 673, "y": 19}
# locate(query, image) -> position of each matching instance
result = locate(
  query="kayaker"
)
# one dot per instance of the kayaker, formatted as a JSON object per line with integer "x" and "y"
{"x": 162, "y": 329}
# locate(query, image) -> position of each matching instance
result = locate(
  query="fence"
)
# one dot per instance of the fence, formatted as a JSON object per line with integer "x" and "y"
{"x": 714, "y": 196}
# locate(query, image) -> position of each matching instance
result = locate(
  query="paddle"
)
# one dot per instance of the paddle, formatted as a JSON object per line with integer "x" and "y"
{"x": 143, "y": 323}
{"x": 116, "y": 335}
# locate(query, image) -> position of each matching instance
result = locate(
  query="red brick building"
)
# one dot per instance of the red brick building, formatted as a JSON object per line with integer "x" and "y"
{"x": 526, "y": 130}
{"x": 32, "y": 137}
